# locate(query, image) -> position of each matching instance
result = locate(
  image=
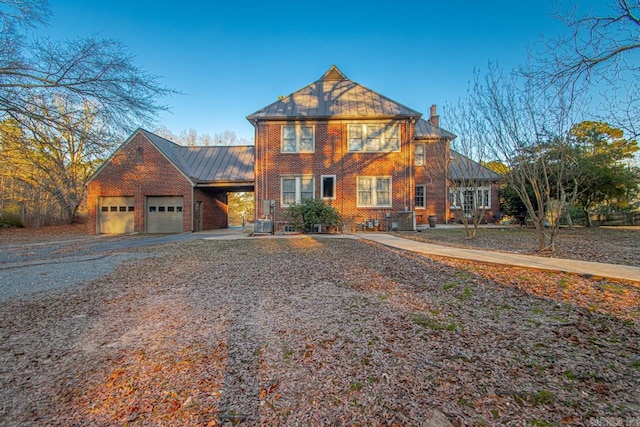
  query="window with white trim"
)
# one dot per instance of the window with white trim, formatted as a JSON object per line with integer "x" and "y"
{"x": 420, "y": 199}
{"x": 298, "y": 139}
{"x": 328, "y": 186}
{"x": 294, "y": 189}
{"x": 374, "y": 191}
{"x": 374, "y": 137}
{"x": 420, "y": 155}
{"x": 470, "y": 198}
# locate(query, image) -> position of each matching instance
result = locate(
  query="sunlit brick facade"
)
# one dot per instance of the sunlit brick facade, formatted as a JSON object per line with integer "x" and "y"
{"x": 364, "y": 142}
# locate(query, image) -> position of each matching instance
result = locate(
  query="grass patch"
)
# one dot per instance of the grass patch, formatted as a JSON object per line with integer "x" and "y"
{"x": 355, "y": 386}
{"x": 426, "y": 322}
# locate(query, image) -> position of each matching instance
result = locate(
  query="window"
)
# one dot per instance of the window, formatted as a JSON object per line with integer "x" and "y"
{"x": 105, "y": 209}
{"x": 374, "y": 191}
{"x": 328, "y": 184}
{"x": 139, "y": 153}
{"x": 420, "y": 197}
{"x": 178, "y": 208}
{"x": 152, "y": 208}
{"x": 161, "y": 209}
{"x": 171, "y": 208}
{"x": 131, "y": 208}
{"x": 294, "y": 189}
{"x": 113, "y": 209}
{"x": 374, "y": 137}
{"x": 420, "y": 155}
{"x": 470, "y": 198}
{"x": 298, "y": 139}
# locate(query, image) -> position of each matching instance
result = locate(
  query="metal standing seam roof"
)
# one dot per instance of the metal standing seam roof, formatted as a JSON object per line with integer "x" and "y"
{"x": 219, "y": 163}
{"x": 426, "y": 130}
{"x": 208, "y": 164}
{"x": 463, "y": 168}
{"x": 334, "y": 96}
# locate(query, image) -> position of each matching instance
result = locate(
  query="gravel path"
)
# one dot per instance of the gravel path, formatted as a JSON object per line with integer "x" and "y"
{"x": 29, "y": 269}
{"x": 30, "y": 279}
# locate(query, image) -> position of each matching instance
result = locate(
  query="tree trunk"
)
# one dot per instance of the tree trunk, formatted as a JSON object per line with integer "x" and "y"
{"x": 586, "y": 214}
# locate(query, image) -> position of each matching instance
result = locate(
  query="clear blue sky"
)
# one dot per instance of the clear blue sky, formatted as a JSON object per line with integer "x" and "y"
{"x": 231, "y": 58}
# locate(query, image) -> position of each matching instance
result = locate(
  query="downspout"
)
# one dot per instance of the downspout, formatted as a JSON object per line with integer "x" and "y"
{"x": 193, "y": 206}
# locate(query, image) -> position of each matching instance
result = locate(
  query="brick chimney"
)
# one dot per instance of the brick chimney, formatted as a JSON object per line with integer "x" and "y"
{"x": 434, "y": 118}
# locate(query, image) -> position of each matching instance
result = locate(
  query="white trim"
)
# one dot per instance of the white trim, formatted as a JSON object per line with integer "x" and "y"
{"x": 374, "y": 192}
{"x": 297, "y": 188}
{"x": 333, "y": 190}
{"x": 385, "y": 132}
{"x": 423, "y": 157}
{"x": 424, "y": 196}
{"x": 456, "y": 195}
{"x": 297, "y": 129}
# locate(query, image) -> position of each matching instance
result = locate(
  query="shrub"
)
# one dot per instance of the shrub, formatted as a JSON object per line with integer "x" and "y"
{"x": 10, "y": 220}
{"x": 306, "y": 215}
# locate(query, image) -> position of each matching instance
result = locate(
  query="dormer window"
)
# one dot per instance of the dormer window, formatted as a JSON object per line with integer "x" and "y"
{"x": 298, "y": 139}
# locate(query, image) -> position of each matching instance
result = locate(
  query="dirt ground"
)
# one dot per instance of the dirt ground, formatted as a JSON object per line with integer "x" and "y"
{"x": 317, "y": 331}
{"x": 613, "y": 245}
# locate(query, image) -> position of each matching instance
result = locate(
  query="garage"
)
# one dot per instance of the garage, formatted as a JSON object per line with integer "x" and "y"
{"x": 115, "y": 215}
{"x": 164, "y": 215}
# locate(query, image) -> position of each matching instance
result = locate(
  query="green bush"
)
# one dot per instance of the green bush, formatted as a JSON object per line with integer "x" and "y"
{"x": 10, "y": 220}
{"x": 306, "y": 215}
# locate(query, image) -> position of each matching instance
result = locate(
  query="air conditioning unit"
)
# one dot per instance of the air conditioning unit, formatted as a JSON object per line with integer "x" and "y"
{"x": 263, "y": 226}
{"x": 407, "y": 221}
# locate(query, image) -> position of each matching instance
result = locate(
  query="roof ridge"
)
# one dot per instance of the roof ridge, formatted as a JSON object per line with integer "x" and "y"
{"x": 333, "y": 74}
{"x": 333, "y": 96}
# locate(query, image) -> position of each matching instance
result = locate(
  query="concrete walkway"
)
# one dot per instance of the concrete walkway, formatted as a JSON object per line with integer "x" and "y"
{"x": 583, "y": 268}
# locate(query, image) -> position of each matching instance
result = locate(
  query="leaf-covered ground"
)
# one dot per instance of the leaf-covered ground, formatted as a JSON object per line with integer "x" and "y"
{"x": 28, "y": 235}
{"x": 320, "y": 332}
{"x": 614, "y": 245}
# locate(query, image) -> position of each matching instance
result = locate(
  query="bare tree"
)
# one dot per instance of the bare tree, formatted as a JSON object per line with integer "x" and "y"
{"x": 99, "y": 70}
{"x": 192, "y": 138}
{"x": 56, "y": 160}
{"x": 523, "y": 125}
{"x": 468, "y": 180}
{"x": 599, "y": 49}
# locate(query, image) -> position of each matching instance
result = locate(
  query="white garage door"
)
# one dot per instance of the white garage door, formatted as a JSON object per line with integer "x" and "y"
{"x": 164, "y": 215}
{"x": 115, "y": 215}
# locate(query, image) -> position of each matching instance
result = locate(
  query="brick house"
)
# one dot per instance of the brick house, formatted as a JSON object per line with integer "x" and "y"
{"x": 152, "y": 185}
{"x": 363, "y": 153}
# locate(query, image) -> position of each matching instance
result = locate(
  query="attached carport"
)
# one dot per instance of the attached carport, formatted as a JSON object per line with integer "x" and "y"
{"x": 152, "y": 185}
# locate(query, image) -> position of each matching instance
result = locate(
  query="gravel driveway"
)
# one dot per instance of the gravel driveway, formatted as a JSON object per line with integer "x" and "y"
{"x": 27, "y": 270}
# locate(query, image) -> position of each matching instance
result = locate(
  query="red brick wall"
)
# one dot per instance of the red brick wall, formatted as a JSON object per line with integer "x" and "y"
{"x": 214, "y": 208}
{"x": 331, "y": 157}
{"x": 433, "y": 176}
{"x": 124, "y": 176}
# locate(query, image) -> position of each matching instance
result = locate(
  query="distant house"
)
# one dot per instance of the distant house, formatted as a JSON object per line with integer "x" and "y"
{"x": 363, "y": 153}
{"x": 152, "y": 185}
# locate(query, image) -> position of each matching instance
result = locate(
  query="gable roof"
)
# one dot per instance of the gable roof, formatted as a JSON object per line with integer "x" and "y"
{"x": 225, "y": 163}
{"x": 201, "y": 165}
{"x": 426, "y": 130}
{"x": 463, "y": 168}
{"x": 334, "y": 96}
